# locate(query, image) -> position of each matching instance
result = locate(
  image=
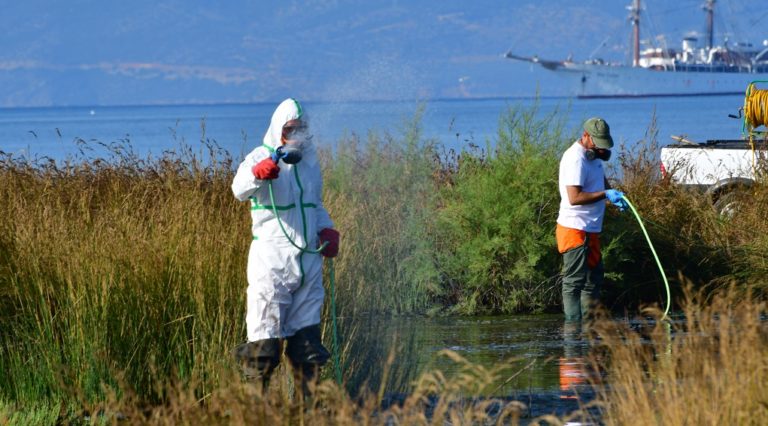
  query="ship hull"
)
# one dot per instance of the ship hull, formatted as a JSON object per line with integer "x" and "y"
{"x": 612, "y": 81}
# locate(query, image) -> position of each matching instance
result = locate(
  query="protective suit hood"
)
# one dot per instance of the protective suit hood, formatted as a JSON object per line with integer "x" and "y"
{"x": 289, "y": 109}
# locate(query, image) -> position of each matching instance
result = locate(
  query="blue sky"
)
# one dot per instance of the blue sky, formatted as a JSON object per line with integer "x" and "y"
{"x": 86, "y": 52}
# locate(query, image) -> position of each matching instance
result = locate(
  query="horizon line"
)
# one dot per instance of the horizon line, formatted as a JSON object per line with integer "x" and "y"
{"x": 266, "y": 102}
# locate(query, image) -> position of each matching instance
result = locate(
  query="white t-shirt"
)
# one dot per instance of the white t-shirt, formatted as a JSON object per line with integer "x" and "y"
{"x": 576, "y": 170}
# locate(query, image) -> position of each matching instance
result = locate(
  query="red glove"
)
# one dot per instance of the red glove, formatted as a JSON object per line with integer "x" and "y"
{"x": 266, "y": 169}
{"x": 331, "y": 236}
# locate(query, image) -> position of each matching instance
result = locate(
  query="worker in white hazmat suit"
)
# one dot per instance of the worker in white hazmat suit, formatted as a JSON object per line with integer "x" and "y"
{"x": 285, "y": 290}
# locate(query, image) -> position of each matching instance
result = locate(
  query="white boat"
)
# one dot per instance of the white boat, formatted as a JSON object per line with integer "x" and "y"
{"x": 690, "y": 70}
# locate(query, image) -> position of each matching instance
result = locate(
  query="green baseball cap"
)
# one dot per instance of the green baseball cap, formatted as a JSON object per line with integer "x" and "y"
{"x": 600, "y": 132}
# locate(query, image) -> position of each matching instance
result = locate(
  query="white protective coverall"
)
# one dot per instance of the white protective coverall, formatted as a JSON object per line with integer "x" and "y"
{"x": 285, "y": 290}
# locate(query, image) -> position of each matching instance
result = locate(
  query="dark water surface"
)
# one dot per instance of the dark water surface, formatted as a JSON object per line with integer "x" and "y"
{"x": 551, "y": 368}
{"x": 536, "y": 343}
{"x": 548, "y": 365}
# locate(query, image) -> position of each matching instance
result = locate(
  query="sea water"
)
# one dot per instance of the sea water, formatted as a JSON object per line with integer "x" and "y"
{"x": 54, "y": 132}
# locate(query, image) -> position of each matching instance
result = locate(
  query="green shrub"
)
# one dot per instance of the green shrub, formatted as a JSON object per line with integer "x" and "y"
{"x": 494, "y": 230}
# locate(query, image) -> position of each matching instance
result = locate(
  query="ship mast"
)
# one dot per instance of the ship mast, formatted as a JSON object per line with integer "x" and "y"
{"x": 709, "y": 7}
{"x": 634, "y": 16}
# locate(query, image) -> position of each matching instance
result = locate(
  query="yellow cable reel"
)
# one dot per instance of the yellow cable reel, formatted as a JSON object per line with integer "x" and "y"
{"x": 755, "y": 115}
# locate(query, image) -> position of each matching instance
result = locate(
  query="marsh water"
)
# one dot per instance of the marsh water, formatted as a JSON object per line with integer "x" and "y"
{"x": 546, "y": 360}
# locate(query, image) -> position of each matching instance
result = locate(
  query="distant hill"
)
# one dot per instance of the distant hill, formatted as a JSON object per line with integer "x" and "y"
{"x": 82, "y": 52}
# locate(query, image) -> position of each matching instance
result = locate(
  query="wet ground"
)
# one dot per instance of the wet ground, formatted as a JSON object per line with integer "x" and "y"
{"x": 547, "y": 360}
{"x": 550, "y": 370}
{"x": 547, "y": 354}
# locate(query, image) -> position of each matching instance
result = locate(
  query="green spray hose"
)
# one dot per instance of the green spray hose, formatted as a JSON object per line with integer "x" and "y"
{"x": 336, "y": 362}
{"x": 332, "y": 280}
{"x": 655, "y": 256}
{"x": 280, "y": 222}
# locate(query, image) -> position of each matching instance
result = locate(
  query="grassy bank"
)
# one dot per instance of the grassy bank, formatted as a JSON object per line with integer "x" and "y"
{"x": 119, "y": 273}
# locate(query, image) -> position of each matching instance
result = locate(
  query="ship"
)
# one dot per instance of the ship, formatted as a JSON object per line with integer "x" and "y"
{"x": 696, "y": 68}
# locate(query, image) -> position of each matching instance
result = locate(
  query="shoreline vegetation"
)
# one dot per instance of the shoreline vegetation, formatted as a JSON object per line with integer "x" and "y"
{"x": 122, "y": 279}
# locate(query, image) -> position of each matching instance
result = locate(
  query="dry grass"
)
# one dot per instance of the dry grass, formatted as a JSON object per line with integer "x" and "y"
{"x": 104, "y": 272}
{"x": 434, "y": 400}
{"x": 710, "y": 369}
{"x": 691, "y": 238}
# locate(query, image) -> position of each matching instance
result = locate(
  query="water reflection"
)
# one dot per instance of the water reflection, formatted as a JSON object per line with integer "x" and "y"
{"x": 545, "y": 355}
{"x": 576, "y": 372}
{"x": 554, "y": 366}
{"x": 549, "y": 370}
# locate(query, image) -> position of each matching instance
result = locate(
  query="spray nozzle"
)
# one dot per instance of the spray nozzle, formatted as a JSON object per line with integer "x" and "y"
{"x": 288, "y": 154}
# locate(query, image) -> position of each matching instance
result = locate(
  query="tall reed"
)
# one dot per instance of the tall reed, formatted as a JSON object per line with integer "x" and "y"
{"x": 119, "y": 272}
{"x": 381, "y": 194}
{"x": 712, "y": 368}
{"x": 104, "y": 272}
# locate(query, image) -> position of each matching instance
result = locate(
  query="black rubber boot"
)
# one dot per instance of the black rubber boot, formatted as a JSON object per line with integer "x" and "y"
{"x": 307, "y": 354}
{"x": 259, "y": 359}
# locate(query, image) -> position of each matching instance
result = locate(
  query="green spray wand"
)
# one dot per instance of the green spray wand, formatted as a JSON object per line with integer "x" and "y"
{"x": 653, "y": 250}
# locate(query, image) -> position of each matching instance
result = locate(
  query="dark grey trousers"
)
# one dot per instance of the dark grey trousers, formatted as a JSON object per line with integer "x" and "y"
{"x": 581, "y": 285}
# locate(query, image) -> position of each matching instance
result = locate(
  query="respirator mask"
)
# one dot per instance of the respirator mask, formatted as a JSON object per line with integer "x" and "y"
{"x": 295, "y": 138}
{"x": 597, "y": 153}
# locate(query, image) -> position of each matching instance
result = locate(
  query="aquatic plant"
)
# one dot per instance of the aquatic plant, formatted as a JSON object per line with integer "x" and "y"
{"x": 102, "y": 272}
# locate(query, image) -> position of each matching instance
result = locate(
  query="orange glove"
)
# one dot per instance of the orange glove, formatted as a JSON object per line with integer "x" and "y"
{"x": 266, "y": 169}
{"x": 331, "y": 236}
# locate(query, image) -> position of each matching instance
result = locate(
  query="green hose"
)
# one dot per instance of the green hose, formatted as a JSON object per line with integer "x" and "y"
{"x": 336, "y": 362}
{"x": 653, "y": 250}
{"x": 332, "y": 279}
{"x": 280, "y": 222}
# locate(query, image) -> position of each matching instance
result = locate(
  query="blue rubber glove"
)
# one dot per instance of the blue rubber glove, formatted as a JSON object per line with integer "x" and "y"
{"x": 288, "y": 155}
{"x": 617, "y": 199}
{"x": 278, "y": 154}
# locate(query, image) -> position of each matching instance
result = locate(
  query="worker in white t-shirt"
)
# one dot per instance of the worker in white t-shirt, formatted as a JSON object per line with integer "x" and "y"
{"x": 583, "y": 187}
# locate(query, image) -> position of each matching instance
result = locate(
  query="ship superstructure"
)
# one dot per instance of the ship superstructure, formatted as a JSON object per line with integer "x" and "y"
{"x": 694, "y": 68}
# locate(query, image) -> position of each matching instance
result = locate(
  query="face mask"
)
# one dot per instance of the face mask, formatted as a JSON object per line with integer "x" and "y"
{"x": 290, "y": 154}
{"x": 602, "y": 154}
{"x": 298, "y": 140}
{"x": 295, "y": 140}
